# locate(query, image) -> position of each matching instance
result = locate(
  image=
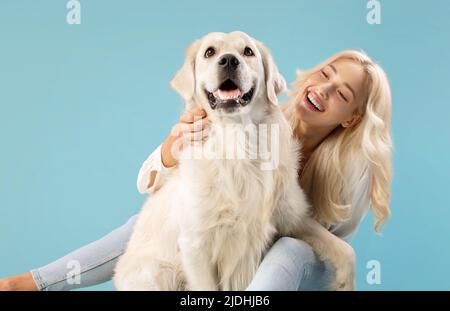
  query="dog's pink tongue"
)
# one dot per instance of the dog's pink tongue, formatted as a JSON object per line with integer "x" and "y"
{"x": 227, "y": 94}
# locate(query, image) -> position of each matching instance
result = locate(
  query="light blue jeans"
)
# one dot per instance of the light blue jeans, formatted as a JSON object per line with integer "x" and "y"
{"x": 290, "y": 264}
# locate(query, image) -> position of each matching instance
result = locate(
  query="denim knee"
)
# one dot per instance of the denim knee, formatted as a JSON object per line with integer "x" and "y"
{"x": 286, "y": 266}
{"x": 314, "y": 274}
{"x": 299, "y": 252}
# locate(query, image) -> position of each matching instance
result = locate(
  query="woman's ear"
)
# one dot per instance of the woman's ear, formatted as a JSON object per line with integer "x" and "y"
{"x": 275, "y": 83}
{"x": 184, "y": 80}
{"x": 352, "y": 122}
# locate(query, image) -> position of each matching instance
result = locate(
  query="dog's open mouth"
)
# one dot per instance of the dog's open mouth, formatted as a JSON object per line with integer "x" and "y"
{"x": 228, "y": 96}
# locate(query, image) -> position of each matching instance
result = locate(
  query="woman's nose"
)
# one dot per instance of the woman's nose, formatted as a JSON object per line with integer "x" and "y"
{"x": 323, "y": 92}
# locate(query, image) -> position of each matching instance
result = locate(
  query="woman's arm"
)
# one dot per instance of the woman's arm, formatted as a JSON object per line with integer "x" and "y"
{"x": 360, "y": 207}
{"x": 192, "y": 127}
{"x": 331, "y": 245}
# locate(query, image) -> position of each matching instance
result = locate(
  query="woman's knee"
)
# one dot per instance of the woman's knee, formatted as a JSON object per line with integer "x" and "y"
{"x": 299, "y": 252}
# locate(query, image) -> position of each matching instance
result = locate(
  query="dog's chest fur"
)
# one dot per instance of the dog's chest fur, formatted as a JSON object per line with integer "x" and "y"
{"x": 226, "y": 207}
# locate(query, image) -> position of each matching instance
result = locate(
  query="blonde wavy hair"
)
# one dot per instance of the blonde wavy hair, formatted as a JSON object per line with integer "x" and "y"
{"x": 337, "y": 165}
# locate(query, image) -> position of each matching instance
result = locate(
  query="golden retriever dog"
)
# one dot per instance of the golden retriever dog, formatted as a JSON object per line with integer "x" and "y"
{"x": 210, "y": 223}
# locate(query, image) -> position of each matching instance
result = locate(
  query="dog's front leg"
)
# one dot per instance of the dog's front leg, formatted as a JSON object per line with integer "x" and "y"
{"x": 199, "y": 271}
{"x": 332, "y": 249}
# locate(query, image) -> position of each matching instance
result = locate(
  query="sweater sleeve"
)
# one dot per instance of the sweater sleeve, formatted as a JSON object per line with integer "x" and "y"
{"x": 360, "y": 207}
{"x": 152, "y": 163}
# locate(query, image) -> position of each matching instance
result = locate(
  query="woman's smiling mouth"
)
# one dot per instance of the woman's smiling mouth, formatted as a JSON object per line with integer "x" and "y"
{"x": 312, "y": 102}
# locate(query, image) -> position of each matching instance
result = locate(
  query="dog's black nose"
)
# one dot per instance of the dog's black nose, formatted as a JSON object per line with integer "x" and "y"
{"x": 228, "y": 60}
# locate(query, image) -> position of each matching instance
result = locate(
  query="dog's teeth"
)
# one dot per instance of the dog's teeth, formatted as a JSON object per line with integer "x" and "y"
{"x": 224, "y": 95}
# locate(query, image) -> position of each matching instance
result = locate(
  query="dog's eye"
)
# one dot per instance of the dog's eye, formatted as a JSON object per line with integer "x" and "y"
{"x": 209, "y": 52}
{"x": 248, "y": 52}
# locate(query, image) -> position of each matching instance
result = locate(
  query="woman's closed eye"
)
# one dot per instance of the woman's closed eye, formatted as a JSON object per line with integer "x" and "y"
{"x": 342, "y": 96}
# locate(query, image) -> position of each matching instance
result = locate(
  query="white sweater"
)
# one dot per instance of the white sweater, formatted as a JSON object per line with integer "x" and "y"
{"x": 345, "y": 230}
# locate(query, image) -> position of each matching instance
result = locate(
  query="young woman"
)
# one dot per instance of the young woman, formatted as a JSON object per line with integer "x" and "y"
{"x": 341, "y": 111}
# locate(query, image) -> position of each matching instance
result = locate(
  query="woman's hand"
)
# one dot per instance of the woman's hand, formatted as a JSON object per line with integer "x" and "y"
{"x": 191, "y": 128}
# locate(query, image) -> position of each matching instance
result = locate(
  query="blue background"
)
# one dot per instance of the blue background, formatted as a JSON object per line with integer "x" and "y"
{"x": 82, "y": 106}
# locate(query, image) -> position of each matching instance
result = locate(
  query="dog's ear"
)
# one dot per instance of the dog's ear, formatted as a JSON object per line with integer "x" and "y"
{"x": 275, "y": 83}
{"x": 184, "y": 80}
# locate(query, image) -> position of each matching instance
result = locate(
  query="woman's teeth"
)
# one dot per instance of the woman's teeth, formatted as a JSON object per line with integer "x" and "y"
{"x": 314, "y": 102}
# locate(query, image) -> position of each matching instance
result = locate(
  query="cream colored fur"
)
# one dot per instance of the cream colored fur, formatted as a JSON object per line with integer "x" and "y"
{"x": 209, "y": 224}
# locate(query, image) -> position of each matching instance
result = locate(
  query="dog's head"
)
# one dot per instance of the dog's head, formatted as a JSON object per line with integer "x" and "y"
{"x": 226, "y": 74}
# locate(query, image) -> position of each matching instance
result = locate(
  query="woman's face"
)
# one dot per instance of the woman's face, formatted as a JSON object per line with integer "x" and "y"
{"x": 330, "y": 96}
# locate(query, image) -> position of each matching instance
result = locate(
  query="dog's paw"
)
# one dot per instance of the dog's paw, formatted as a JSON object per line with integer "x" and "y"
{"x": 345, "y": 271}
{"x": 344, "y": 281}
